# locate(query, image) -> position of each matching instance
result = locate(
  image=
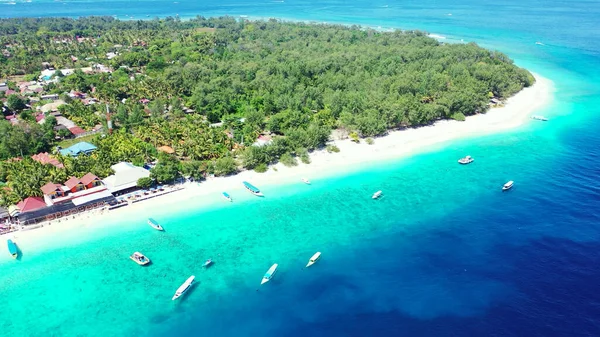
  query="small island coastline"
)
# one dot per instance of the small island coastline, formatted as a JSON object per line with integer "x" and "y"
{"x": 352, "y": 157}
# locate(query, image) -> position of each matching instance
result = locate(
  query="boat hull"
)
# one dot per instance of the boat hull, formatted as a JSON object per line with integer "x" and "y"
{"x": 313, "y": 259}
{"x": 269, "y": 274}
{"x": 12, "y": 249}
{"x": 155, "y": 225}
{"x": 183, "y": 288}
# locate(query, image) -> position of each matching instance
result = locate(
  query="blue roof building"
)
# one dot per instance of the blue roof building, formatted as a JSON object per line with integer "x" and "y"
{"x": 77, "y": 149}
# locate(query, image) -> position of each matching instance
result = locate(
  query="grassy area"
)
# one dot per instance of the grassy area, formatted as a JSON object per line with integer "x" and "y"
{"x": 68, "y": 142}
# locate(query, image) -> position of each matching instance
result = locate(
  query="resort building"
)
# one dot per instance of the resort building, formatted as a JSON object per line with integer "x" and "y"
{"x": 77, "y": 149}
{"x": 31, "y": 204}
{"x": 125, "y": 178}
{"x": 3, "y": 87}
{"x": 3, "y": 214}
{"x": 76, "y": 195}
{"x": 72, "y": 189}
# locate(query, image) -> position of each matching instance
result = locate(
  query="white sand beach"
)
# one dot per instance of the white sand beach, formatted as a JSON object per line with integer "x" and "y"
{"x": 352, "y": 156}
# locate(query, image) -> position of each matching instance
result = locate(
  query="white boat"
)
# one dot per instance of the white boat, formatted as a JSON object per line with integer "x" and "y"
{"x": 508, "y": 185}
{"x": 306, "y": 181}
{"x": 313, "y": 259}
{"x": 466, "y": 160}
{"x": 377, "y": 194}
{"x": 154, "y": 224}
{"x": 183, "y": 288}
{"x": 539, "y": 118}
{"x": 139, "y": 258}
{"x": 269, "y": 274}
{"x": 207, "y": 263}
{"x": 227, "y": 197}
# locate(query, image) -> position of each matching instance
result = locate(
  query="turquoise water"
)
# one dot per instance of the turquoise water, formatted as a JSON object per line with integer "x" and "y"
{"x": 444, "y": 253}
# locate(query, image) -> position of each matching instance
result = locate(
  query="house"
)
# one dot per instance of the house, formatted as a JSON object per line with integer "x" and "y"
{"x": 31, "y": 204}
{"x": 125, "y": 178}
{"x": 90, "y": 180}
{"x": 77, "y": 149}
{"x": 3, "y": 87}
{"x": 4, "y": 214}
{"x": 53, "y": 97}
{"x": 53, "y": 190}
{"x": 44, "y": 158}
{"x": 74, "y": 185}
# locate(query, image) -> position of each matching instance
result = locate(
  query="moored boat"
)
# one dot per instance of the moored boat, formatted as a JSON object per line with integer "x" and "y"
{"x": 253, "y": 189}
{"x": 539, "y": 118}
{"x": 12, "y": 248}
{"x": 139, "y": 258}
{"x": 306, "y": 181}
{"x": 508, "y": 185}
{"x": 227, "y": 197}
{"x": 269, "y": 274}
{"x": 313, "y": 259}
{"x": 183, "y": 288}
{"x": 377, "y": 194}
{"x": 154, "y": 224}
{"x": 466, "y": 160}
{"x": 207, "y": 263}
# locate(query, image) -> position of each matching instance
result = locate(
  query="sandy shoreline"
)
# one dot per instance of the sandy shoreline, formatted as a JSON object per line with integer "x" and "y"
{"x": 352, "y": 156}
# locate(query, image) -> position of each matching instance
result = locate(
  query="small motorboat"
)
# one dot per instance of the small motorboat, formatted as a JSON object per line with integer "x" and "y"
{"x": 227, "y": 197}
{"x": 269, "y": 274}
{"x": 306, "y": 181}
{"x": 466, "y": 160}
{"x": 207, "y": 263}
{"x": 377, "y": 194}
{"x": 508, "y": 185}
{"x": 139, "y": 258}
{"x": 253, "y": 189}
{"x": 183, "y": 288}
{"x": 313, "y": 259}
{"x": 154, "y": 224}
{"x": 539, "y": 118}
{"x": 12, "y": 248}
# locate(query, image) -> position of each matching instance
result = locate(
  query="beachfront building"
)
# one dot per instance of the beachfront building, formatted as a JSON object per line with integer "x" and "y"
{"x": 75, "y": 196}
{"x": 72, "y": 189}
{"x": 77, "y": 149}
{"x": 125, "y": 178}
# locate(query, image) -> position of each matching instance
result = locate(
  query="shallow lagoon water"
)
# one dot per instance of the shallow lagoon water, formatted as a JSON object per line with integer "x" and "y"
{"x": 443, "y": 253}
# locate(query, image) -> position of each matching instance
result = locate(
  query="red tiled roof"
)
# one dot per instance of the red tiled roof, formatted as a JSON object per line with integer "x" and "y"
{"x": 50, "y": 187}
{"x": 72, "y": 182}
{"x": 44, "y": 158}
{"x": 88, "y": 178}
{"x": 76, "y": 130}
{"x": 31, "y": 204}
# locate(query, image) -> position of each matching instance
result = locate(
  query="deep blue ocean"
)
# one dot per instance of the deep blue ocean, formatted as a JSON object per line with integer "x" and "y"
{"x": 444, "y": 253}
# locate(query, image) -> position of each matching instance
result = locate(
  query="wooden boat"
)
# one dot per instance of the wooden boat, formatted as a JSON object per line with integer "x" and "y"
{"x": 12, "y": 248}
{"x": 313, "y": 259}
{"x": 269, "y": 274}
{"x": 139, "y": 258}
{"x": 253, "y": 189}
{"x": 183, "y": 288}
{"x": 154, "y": 224}
{"x": 466, "y": 160}
{"x": 377, "y": 194}
{"x": 508, "y": 185}
{"x": 227, "y": 196}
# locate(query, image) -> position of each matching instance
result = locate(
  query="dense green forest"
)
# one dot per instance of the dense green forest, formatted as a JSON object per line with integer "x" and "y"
{"x": 294, "y": 81}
